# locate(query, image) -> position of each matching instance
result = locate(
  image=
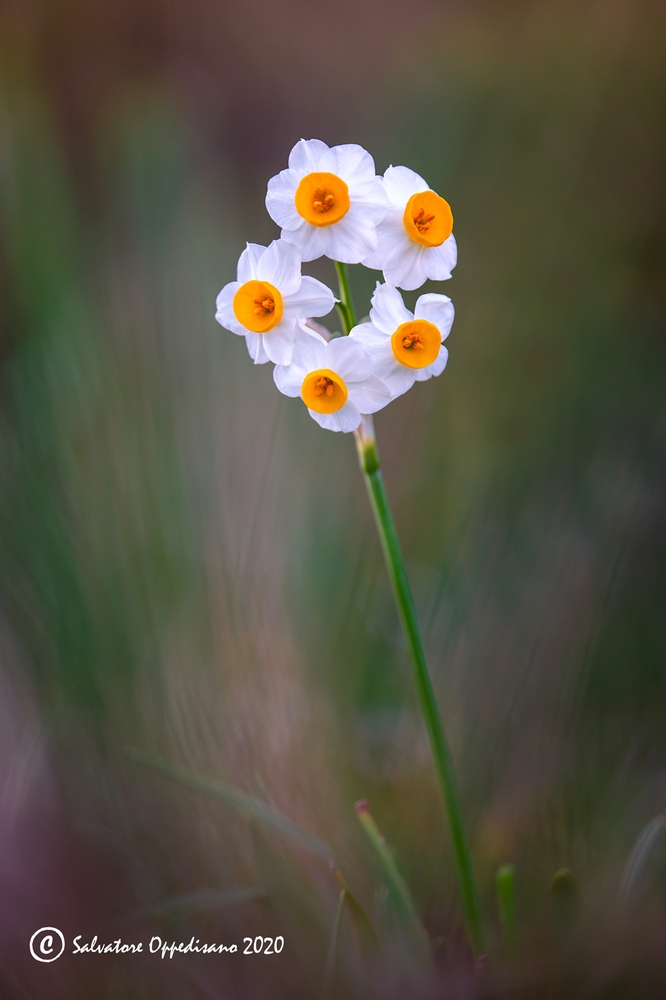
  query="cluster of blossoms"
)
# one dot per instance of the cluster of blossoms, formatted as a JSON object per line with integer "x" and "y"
{"x": 329, "y": 202}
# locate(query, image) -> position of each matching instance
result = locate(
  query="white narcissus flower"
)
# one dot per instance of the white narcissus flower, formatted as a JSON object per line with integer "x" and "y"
{"x": 405, "y": 347}
{"x": 269, "y": 297}
{"x": 329, "y": 201}
{"x": 335, "y": 380}
{"x": 415, "y": 238}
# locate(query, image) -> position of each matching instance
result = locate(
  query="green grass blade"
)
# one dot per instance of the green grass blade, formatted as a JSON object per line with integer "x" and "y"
{"x": 259, "y": 810}
{"x": 366, "y": 931}
{"x": 397, "y": 887}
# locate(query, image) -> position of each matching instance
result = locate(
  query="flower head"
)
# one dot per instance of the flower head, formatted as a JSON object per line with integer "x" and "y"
{"x": 269, "y": 297}
{"x": 328, "y": 202}
{"x": 415, "y": 238}
{"x": 335, "y": 380}
{"x": 405, "y": 347}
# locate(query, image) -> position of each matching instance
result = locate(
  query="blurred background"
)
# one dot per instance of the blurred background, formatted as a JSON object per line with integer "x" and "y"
{"x": 188, "y": 563}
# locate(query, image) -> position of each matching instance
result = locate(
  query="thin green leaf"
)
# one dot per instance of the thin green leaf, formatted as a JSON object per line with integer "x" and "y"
{"x": 397, "y": 887}
{"x": 360, "y": 918}
{"x": 261, "y": 811}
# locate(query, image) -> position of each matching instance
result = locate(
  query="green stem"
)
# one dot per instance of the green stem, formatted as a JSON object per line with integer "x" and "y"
{"x": 369, "y": 459}
{"x": 346, "y": 303}
{"x": 370, "y": 465}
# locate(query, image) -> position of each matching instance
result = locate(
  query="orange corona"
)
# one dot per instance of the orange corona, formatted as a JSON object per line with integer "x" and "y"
{"x": 258, "y": 306}
{"x": 323, "y": 391}
{"x": 322, "y": 198}
{"x": 416, "y": 344}
{"x": 428, "y": 219}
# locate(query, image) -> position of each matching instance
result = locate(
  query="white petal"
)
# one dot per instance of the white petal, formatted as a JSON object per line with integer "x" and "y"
{"x": 280, "y": 200}
{"x": 369, "y": 198}
{"x": 313, "y": 298}
{"x": 224, "y": 314}
{"x": 312, "y": 241}
{"x": 400, "y": 183}
{"x": 368, "y": 334}
{"x": 279, "y": 342}
{"x": 392, "y": 238}
{"x": 436, "y": 368}
{"x": 396, "y": 377}
{"x": 439, "y": 364}
{"x": 348, "y": 359}
{"x": 288, "y": 379}
{"x": 353, "y": 163}
{"x": 280, "y": 265}
{"x": 309, "y": 351}
{"x": 311, "y": 325}
{"x": 438, "y": 262}
{"x": 376, "y": 343}
{"x": 388, "y": 310}
{"x": 247, "y": 262}
{"x": 311, "y": 154}
{"x": 255, "y": 346}
{"x": 351, "y": 239}
{"x": 437, "y": 309}
{"x": 404, "y": 267}
{"x": 369, "y": 395}
{"x": 346, "y": 419}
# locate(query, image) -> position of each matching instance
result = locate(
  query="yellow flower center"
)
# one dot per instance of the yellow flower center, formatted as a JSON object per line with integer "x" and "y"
{"x": 322, "y": 198}
{"x": 258, "y": 306}
{"x": 416, "y": 344}
{"x": 323, "y": 391}
{"x": 428, "y": 219}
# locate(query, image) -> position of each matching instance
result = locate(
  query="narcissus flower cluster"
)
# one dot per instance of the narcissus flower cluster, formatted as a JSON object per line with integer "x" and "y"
{"x": 329, "y": 202}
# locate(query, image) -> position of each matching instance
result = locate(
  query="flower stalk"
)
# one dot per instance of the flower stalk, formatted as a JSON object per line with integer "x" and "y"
{"x": 346, "y": 303}
{"x": 505, "y": 885}
{"x": 371, "y": 467}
